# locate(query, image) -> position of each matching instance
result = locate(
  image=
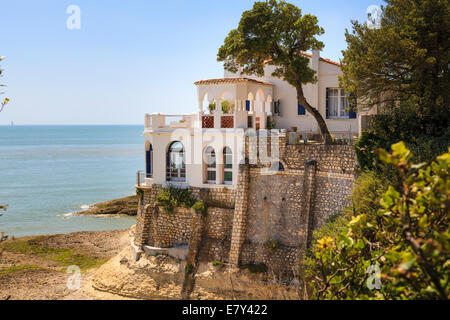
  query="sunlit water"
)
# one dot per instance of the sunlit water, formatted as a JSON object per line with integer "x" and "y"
{"x": 48, "y": 172}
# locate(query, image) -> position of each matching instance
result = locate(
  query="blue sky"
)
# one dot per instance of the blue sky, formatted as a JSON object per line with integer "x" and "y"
{"x": 129, "y": 57}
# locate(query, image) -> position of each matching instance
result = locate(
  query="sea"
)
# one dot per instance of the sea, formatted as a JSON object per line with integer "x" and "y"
{"x": 49, "y": 172}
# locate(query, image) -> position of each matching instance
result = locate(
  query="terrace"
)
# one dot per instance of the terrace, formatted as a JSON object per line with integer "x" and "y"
{"x": 227, "y": 103}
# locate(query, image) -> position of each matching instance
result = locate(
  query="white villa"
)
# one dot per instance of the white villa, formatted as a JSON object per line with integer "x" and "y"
{"x": 203, "y": 149}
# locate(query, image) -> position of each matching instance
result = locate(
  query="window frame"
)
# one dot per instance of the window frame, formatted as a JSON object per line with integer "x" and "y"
{"x": 339, "y": 108}
{"x": 170, "y": 170}
{"x": 225, "y": 169}
{"x": 149, "y": 161}
{"x": 210, "y": 167}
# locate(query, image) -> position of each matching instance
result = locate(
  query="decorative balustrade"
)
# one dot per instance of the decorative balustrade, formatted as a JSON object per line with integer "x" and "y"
{"x": 175, "y": 121}
{"x": 219, "y": 121}
{"x": 227, "y": 122}
{"x": 207, "y": 122}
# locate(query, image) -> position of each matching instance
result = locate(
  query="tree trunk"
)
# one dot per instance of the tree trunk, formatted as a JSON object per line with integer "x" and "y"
{"x": 316, "y": 114}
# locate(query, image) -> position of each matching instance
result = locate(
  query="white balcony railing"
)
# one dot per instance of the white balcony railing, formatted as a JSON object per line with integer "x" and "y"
{"x": 197, "y": 120}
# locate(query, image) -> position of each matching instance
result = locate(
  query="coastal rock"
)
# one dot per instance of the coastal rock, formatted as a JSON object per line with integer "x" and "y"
{"x": 124, "y": 206}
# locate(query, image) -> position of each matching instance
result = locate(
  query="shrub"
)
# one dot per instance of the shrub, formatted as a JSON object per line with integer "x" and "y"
{"x": 271, "y": 123}
{"x": 426, "y": 137}
{"x": 171, "y": 197}
{"x": 140, "y": 193}
{"x": 200, "y": 207}
{"x": 227, "y": 106}
{"x": 407, "y": 239}
{"x": 189, "y": 268}
{"x": 218, "y": 264}
{"x": 272, "y": 245}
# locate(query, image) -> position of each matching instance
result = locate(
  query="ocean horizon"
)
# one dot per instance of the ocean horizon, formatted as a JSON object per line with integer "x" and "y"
{"x": 47, "y": 172}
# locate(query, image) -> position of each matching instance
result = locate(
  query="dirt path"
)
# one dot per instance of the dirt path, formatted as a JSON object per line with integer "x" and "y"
{"x": 35, "y": 267}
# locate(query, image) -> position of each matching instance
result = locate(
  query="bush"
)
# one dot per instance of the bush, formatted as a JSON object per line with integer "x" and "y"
{"x": 170, "y": 197}
{"x": 272, "y": 245}
{"x": 189, "y": 268}
{"x": 218, "y": 264}
{"x": 406, "y": 240}
{"x": 271, "y": 123}
{"x": 200, "y": 207}
{"x": 425, "y": 136}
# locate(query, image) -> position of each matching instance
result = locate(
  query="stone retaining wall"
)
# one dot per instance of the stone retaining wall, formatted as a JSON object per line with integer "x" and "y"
{"x": 285, "y": 206}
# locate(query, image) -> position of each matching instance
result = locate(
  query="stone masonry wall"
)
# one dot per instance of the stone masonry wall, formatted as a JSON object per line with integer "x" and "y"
{"x": 286, "y": 206}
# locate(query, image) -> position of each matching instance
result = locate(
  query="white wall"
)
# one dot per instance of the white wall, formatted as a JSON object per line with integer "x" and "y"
{"x": 195, "y": 142}
{"x": 315, "y": 94}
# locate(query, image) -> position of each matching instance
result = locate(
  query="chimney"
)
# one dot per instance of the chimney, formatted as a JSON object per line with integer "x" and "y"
{"x": 315, "y": 60}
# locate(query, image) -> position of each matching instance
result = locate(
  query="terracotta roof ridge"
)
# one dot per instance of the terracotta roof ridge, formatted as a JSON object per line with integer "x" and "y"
{"x": 309, "y": 55}
{"x": 230, "y": 80}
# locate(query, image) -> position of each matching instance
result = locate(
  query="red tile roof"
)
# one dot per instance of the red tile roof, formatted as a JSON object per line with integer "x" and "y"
{"x": 231, "y": 81}
{"x": 309, "y": 55}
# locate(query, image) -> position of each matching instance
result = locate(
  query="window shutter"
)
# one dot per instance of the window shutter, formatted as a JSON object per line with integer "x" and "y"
{"x": 327, "y": 105}
{"x": 247, "y": 105}
{"x": 276, "y": 108}
{"x": 301, "y": 110}
{"x": 351, "y": 112}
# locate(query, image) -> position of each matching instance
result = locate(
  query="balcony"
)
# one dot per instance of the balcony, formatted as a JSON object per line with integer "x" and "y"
{"x": 217, "y": 120}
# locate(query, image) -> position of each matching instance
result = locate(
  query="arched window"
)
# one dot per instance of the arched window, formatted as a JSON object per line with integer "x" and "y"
{"x": 227, "y": 166}
{"x": 176, "y": 166}
{"x": 149, "y": 161}
{"x": 210, "y": 165}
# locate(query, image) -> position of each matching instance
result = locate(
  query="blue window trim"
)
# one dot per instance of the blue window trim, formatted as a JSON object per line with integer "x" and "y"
{"x": 148, "y": 162}
{"x": 351, "y": 113}
{"x": 247, "y": 105}
{"x": 301, "y": 111}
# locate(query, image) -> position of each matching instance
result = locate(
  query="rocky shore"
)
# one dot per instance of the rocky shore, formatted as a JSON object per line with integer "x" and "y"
{"x": 125, "y": 206}
{"x": 36, "y": 268}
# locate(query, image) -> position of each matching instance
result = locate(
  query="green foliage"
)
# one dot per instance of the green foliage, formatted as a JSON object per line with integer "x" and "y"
{"x": 64, "y": 257}
{"x": 272, "y": 245}
{"x": 11, "y": 270}
{"x": 332, "y": 226}
{"x": 276, "y": 32}
{"x": 367, "y": 192}
{"x": 218, "y": 263}
{"x": 271, "y": 123}
{"x": 189, "y": 268}
{"x": 407, "y": 238}
{"x": 171, "y": 197}
{"x": 407, "y": 57}
{"x": 227, "y": 107}
{"x": 255, "y": 268}
{"x": 200, "y": 207}
{"x": 426, "y": 137}
{"x": 140, "y": 193}
{"x": 365, "y": 148}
